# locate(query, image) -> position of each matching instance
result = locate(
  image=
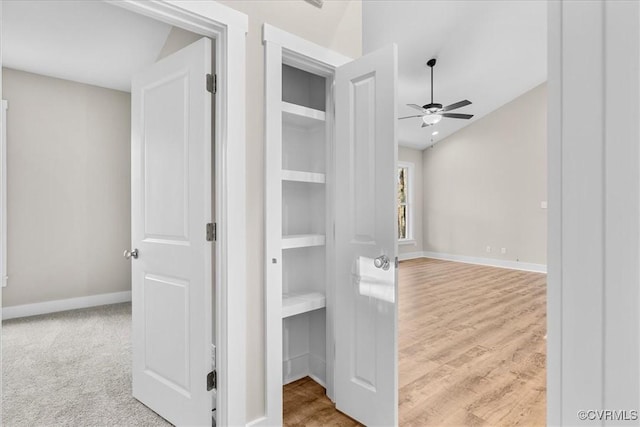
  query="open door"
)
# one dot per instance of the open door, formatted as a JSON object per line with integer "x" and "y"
{"x": 171, "y": 203}
{"x": 366, "y": 379}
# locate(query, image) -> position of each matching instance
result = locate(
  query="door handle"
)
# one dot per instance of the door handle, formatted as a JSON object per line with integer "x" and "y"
{"x": 382, "y": 262}
{"x": 130, "y": 254}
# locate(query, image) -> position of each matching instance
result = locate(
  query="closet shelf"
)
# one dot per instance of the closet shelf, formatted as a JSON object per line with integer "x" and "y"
{"x": 302, "y": 241}
{"x": 299, "y": 176}
{"x": 299, "y": 303}
{"x": 299, "y": 116}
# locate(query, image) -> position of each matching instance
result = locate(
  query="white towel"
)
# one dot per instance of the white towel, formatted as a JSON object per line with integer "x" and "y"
{"x": 375, "y": 282}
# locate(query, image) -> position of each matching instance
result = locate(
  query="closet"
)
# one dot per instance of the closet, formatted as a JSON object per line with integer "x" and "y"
{"x": 329, "y": 211}
{"x": 302, "y": 176}
{"x": 304, "y": 243}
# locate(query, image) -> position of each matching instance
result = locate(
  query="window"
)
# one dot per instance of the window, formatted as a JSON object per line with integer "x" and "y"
{"x": 404, "y": 201}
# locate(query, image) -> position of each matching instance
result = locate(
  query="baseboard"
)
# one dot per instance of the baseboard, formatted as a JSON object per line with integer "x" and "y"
{"x": 410, "y": 255}
{"x": 306, "y": 365}
{"x": 317, "y": 370}
{"x": 259, "y": 422}
{"x": 295, "y": 368}
{"x": 64, "y": 305}
{"x": 500, "y": 263}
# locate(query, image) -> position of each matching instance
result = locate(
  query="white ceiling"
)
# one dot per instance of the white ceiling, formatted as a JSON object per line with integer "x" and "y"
{"x": 86, "y": 41}
{"x": 488, "y": 52}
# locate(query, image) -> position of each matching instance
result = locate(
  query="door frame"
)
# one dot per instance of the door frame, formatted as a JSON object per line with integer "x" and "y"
{"x": 593, "y": 303}
{"x": 228, "y": 29}
{"x": 283, "y": 47}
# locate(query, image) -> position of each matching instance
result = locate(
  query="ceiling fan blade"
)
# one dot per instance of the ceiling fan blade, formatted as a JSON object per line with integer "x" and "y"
{"x": 456, "y": 105}
{"x": 457, "y": 116}
{"x": 410, "y": 117}
{"x": 417, "y": 107}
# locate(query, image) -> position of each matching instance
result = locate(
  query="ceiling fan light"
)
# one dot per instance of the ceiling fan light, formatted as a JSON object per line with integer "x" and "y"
{"x": 431, "y": 119}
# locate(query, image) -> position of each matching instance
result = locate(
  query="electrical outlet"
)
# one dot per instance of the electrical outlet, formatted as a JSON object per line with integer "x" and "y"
{"x": 488, "y": 249}
{"x": 503, "y": 251}
{"x": 543, "y": 204}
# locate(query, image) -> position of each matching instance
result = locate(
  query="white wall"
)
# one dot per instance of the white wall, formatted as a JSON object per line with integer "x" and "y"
{"x": 414, "y": 157}
{"x": 338, "y": 26}
{"x": 177, "y": 39}
{"x": 68, "y": 150}
{"x": 483, "y": 185}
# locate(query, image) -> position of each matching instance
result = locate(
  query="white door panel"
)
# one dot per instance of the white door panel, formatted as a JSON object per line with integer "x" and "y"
{"x": 366, "y": 209}
{"x": 171, "y": 205}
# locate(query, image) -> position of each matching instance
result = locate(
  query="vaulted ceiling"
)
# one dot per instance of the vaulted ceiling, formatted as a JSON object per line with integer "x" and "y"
{"x": 86, "y": 41}
{"x": 489, "y": 52}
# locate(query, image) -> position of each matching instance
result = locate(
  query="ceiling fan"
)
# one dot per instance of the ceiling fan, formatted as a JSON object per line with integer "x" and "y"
{"x": 432, "y": 113}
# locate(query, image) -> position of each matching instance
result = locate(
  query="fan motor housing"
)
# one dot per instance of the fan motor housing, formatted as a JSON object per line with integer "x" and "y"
{"x": 432, "y": 107}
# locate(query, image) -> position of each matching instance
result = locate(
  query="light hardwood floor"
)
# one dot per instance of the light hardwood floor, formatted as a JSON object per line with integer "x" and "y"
{"x": 306, "y": 404}
{"x": 472, "y": 350}
{"x": 471, "y": 345}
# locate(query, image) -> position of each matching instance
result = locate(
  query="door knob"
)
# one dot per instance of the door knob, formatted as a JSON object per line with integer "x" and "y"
{"x": 130, "y": 254}
{"x": 382, "y": 262}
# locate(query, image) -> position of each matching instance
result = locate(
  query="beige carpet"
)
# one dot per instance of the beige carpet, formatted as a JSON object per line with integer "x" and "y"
{"x": 71, "y": 369}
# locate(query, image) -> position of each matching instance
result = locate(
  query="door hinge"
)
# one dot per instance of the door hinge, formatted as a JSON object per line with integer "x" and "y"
{"x": 397, "y": 262}
{"x": 212, "y": 232}
{"x": 212, "y": 83}
{"x": 212, "y": 380}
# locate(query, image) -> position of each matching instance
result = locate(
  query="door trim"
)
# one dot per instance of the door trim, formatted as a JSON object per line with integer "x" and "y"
{"x": 283, "y": 47}
{"x": 3, "y": 195}
{"x": 228, "y": 28}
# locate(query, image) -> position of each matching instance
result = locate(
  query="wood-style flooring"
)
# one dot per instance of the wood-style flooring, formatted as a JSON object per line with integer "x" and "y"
{"x": 471, "y": 352}
{"x": 472, "y": 345}
{"x": 306, "y": 404}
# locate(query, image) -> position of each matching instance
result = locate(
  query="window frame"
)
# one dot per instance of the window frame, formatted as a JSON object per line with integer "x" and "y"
{"x": 408, "y": 202}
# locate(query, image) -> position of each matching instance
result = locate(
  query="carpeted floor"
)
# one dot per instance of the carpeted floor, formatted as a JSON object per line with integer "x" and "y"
{"x": 71, "y": 369}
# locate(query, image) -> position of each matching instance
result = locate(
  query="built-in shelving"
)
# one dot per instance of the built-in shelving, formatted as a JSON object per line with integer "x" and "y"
{"x": 300, "y": 176}
{"x": 293, "y": 304}
{"x": 299, "y": 116}
{"x": 302, "y": 241}
{"x": 297, "y": 173}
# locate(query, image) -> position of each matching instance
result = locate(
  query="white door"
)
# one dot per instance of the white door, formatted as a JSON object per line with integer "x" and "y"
{"x": 171, "y": 204}
{"x": 366, "y": 385}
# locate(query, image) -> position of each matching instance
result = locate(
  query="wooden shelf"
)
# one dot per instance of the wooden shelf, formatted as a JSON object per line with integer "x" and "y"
{"x": 293, "y": 304}
{"x": 299, "y": 176}
{"x": 302, "y": 241}
{"x": 300, "y": 116}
